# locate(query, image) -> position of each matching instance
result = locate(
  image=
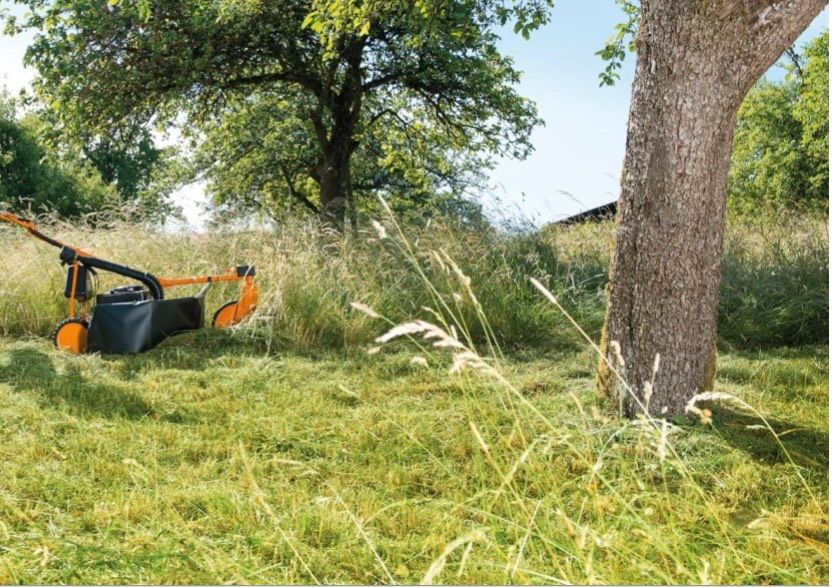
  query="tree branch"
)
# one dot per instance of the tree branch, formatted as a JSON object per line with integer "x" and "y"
{"x": 295, "y": 193}
{"x": 768, "y": 30}
{"x": 791, "y": 53}
{"x": 303, "y": 81}
{"x": 776, "y": 25}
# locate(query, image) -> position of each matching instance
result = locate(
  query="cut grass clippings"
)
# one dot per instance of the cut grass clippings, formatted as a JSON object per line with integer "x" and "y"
{"x": 208, "y": 460}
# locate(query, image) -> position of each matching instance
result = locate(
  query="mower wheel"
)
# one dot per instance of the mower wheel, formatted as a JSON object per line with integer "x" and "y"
{"x": 71, "y": 335}
{"x": 225, "y": 317}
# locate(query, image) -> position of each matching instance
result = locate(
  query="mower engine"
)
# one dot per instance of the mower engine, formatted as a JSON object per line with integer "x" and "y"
{"x": 82, "y": 284}
{"x": 125, "y": 293}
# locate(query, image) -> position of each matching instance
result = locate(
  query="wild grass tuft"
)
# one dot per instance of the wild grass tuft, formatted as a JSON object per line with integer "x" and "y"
{"x": 774, "y": 291}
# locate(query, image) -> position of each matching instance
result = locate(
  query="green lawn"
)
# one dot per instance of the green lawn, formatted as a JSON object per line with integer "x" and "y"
{"x": 208, "y": 460}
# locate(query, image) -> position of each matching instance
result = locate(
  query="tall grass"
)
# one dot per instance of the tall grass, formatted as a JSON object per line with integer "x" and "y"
{"x": 774, "y": 290}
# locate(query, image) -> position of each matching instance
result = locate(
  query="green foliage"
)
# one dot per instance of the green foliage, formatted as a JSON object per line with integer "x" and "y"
{"x": 125, "y": 157}
{"x": 781, "y": 144}
{"x": 331, "y": 18}
{"x": 142, "y": 175}
{"x": 132, "y": 162}
{"x": 767, "y": 162}
{"x": 46, "y": 169}
{"x": 623, "y": 40}
{"x": 347, "y": 78}
{"x": 33, "y": 176}
{"x": 812, "y": 111}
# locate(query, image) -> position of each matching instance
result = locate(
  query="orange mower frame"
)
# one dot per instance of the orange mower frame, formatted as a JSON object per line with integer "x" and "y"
{"x": 134, "y": 318}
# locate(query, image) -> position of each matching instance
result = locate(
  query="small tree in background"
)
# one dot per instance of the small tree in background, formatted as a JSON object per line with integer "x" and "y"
{"x": 780, "y": 155}
{"x": 35, "y": 177}
{"x": 262, "y": 156}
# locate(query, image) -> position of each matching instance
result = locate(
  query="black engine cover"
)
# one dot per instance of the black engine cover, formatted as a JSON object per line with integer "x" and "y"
{"x": 127, "y": 293}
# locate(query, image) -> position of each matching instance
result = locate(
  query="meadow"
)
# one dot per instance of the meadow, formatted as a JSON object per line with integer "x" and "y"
{"x": 297, "y": 449}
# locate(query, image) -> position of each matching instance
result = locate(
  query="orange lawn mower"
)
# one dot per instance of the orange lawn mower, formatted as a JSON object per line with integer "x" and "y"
{"x": 133, "y": 318}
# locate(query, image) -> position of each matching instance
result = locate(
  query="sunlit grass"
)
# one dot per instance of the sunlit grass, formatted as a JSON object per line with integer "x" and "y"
{"x": 774, "y": 293}
{"x": 207, "y": 460}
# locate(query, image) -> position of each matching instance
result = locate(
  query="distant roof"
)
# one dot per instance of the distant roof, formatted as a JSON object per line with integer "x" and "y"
{"x": 604, "y": 212}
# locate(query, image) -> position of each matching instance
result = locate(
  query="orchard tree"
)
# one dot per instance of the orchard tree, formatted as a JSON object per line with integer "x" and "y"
{"x": 354, "y": 66}
{"x": 696, "y": 60}
{"x": 261, "y": 156}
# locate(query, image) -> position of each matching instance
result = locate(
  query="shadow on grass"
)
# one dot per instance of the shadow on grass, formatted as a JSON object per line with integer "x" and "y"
{"x": 203, "y": 349}
{"x": 808, "y": 447}
{"x": 32, "y": 371}
{"x": 192, "y": 351}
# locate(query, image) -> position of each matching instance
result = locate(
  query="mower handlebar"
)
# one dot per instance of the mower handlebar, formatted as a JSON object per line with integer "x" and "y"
{"x": 155, "y": 284}
{"x": 30, "y": 227}
{"x": 15, "y": 219}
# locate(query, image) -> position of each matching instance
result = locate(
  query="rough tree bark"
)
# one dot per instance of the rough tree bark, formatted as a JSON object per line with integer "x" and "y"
{"x": 696, "y": 60}
{"x": 334, "y": 175}
{"x": 338, "y": 143}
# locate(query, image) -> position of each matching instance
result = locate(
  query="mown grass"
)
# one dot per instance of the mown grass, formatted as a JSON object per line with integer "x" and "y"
{"x": 212, "y": 460}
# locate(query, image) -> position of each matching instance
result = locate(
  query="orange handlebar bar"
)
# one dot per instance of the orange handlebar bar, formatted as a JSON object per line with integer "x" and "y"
{"x": 239, "y": 274}
{"x": 14, "y": 219}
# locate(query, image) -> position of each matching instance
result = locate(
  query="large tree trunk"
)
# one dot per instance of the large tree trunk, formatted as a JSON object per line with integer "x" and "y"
{"x": 696, "y": 61}
{"x": 338, "y": 145}
{"x": 334, "y": 174}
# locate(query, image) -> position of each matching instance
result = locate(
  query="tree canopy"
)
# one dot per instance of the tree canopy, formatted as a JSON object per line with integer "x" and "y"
{"x": 781, "y": 145}
{"x": 308, "y": 102}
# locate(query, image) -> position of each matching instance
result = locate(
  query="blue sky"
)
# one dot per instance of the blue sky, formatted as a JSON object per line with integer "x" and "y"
{"x": 578, "y": 154}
